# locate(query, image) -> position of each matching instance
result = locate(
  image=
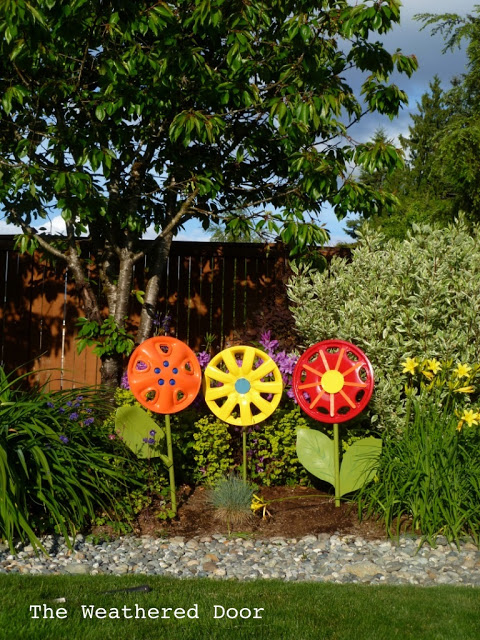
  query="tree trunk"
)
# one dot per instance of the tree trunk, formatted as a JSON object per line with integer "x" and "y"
{"x": 111, "y": 370}
{"x": 153, "y": 287}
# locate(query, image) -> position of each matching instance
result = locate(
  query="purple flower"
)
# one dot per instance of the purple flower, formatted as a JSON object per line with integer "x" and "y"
{"x": 78, "y": 398}
{"x": 267, "y": 343}
{"x": 61, "y": 410}
{"x": 203, "y": 359}
{"x": 50, "y": 405}
{"x": 63, "y": 438}
{"x": 69, "y": 403}
{"x": 153, "y": 432}
{"x": 73, "y": 416}
{"x": 124, "y": 381}
{"x": 149, "y": 440}
{"x": 88, "y": 421}
{"x": 286, "y": 362}
{"x": 166, "y": 322}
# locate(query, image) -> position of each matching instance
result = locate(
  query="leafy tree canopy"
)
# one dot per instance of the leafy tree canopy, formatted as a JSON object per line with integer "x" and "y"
{"x": 121, "y": 115}
{"x": 442, "y": 174}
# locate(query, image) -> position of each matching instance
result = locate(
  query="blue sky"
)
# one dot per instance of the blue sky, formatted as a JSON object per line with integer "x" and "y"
{"x": 410, "y": 39}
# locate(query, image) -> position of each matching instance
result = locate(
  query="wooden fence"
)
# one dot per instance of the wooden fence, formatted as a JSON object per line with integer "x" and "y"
{"x": 230, "y": 290}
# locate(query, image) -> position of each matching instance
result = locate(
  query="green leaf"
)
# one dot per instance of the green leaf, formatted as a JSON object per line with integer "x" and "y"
{"x": 359, "y": 464}
{"x": 133, "y": 424}
{"x": 315, "y": 452}
{"x": 100, "y": 112}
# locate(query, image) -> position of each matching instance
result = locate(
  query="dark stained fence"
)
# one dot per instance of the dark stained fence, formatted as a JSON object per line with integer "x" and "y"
{"x": 232, "y": 291}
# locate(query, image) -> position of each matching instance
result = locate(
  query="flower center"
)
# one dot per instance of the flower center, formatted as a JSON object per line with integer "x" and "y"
{"x": 332, "y": 381}
{"x": 242, "y": 385}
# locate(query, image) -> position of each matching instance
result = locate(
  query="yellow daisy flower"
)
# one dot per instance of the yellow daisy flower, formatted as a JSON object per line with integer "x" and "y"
{"x": 409, "y": 365}
{"x": 468, "y": 389}
{"x": 470, "y": 417}
{"x": 434, "y": 366}
{"x": 463, "y": 370}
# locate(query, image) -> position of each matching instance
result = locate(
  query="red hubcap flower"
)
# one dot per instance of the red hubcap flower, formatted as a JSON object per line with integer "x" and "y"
{"x": 333, "y": 381}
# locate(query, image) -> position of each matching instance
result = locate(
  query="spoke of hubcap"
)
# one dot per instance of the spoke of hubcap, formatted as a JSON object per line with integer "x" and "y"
{"x": 231, "y": 363}
{"x": 267, "y": 387}
{"x": 262, "y": 371}
{"x": 226, "y": 409}
{"x": 260, "y": 402}
{"x": 324, "y": 359}
{"x": 309, "y": 385}
{"x": 357, "y": 365}
{"x": 248, "y": 358}
{"x": 345, "y": 397}
{"x": 312, "y": 370}
{"x": 340, "y": 356}
{"x": 218, "y": 375}
{"x": 214, "y": 393}
{"x": 246, "y": 417}
{"x": 317, "y": 399}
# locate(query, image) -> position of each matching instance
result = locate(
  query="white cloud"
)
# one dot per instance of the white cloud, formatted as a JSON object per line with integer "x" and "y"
{"x": 8, "y": 229}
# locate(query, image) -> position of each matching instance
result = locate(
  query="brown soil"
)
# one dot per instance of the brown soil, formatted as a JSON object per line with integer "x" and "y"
{"x": 293, "y": 516}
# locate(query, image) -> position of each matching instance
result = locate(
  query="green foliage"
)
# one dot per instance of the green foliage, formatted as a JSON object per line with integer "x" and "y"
{"x": 232, "y": 500}
{"x": 317, "y": 454}
{"x": 428, "y": 479}
{"x": 138, "y": 431}
{"x": 108, "y": 339}
{"x": 57, "y": 468}
{"x": 441, "y": 175}
{"x": 123, "y": 117}
{"x": 417, "y": 298}
{"x": 213, "y": 450}
{"x": 272, "y": 449}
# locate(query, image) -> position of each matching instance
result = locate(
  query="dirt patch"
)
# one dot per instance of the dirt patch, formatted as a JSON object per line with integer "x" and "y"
{"x": 296, "y": 512}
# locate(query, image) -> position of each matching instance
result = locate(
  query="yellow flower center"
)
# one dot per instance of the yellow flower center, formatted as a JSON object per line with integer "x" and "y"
{"x": 332, "y": 381}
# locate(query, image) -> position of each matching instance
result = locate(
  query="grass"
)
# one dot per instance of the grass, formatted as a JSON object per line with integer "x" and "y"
{"x": 305, "y": 611}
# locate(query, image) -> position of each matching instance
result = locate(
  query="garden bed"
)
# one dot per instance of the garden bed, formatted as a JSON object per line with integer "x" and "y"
{"x": 292, "y": 516}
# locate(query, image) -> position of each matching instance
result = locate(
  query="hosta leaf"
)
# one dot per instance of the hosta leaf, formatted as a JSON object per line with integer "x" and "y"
{"x": 359, "y": 464}
{"x": 133, "y": 424}
{"x": 315, "y": 452}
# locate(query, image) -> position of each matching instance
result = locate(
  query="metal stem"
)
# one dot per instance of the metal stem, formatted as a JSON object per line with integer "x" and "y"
{"x": 336, "y": 458}
{"x": 244, "y": 435}
{"x": 171, "y": 470}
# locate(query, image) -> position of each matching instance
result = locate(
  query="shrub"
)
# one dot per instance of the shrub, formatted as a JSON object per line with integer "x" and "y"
{"x": 272, "y": 449}
{"x": 213, "y": 450}
{"x": 419, "y": 297}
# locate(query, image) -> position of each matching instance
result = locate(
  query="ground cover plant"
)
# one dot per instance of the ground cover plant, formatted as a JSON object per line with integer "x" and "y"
{"x": 309, "y": 611}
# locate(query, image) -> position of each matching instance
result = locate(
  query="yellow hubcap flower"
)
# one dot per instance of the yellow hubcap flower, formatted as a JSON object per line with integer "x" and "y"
{"x": 242, "y": 385}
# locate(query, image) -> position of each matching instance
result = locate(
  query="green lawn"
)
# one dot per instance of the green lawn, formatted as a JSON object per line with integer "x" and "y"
{"x": 285, "y": 611}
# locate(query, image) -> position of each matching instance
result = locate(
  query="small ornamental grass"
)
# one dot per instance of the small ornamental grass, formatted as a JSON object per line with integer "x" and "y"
{"x": 232, "y": 500}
